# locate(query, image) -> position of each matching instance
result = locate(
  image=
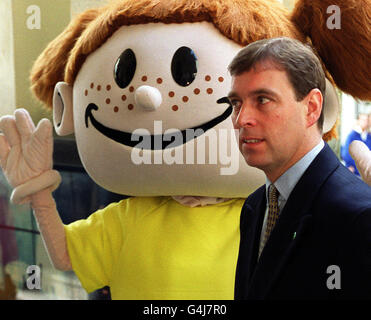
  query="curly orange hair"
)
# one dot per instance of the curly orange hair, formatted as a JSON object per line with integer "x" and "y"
{"x": 345, "y": 53}
{"x": 242, "y": 21}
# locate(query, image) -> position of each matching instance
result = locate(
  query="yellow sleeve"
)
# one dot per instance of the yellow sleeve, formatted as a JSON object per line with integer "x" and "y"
{"x": 93, "y": 245}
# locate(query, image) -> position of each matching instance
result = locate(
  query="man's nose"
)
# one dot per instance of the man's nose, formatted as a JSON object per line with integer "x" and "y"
{"x": 148, "y": 98}
{"x": 246, "y": 117}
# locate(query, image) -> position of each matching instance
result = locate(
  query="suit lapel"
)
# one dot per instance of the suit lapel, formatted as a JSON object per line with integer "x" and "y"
{"x": 250, "y": 226}
{"x": 294, "y": 221}
{"x": 255, "y": 231}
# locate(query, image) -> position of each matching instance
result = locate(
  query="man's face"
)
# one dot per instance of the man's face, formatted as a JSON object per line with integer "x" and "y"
{"x": 363, "y": 122}
{"x": 271, "y": 123}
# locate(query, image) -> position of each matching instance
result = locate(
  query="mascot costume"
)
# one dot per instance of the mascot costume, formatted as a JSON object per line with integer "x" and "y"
{"x": 142, "y": 85}
{"x": 361, "y": 154}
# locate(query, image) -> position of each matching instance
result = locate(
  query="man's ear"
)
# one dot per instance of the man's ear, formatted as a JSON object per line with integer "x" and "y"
{"x": 330, "y": 107}
{"x": 63, "y": 109}
{"x": 314, "y": 104}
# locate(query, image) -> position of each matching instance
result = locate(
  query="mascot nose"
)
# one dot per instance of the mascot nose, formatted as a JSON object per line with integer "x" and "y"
{"x": 149, "y": 98}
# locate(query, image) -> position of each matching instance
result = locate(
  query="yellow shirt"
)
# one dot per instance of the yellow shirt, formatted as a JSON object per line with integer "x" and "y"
{"x": 155, "y": 248}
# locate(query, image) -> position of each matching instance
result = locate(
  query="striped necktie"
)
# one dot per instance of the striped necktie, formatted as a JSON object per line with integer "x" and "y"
{"x": 273, "y": 213}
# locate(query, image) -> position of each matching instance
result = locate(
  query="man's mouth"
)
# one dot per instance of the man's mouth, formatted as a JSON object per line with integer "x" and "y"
{"x": 251, "y": 140}
{"x": 132, "y": 140}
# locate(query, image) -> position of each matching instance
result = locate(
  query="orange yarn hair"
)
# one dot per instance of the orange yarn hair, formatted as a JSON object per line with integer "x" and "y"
{"x": 345, "y": 53}
{"x": 242, "y": 21}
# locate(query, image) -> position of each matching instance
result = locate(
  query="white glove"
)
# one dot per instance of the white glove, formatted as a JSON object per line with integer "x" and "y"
{"x": 362, "y": 157}
{"x": 26, "y": 155}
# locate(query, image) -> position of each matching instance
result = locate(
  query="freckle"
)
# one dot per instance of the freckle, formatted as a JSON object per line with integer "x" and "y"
{"x": 209, "y": 90}
{"x": 92, "y": 85}
{"x": 123, "y": 97}
{"x": 144, "y": 78}
{"x": 221, "y": 79}
{"x": 131, "y": 89}
{"x": 175, "y": 108}
{"x": 99, "y": 87}
{"x": 116, "y": 109}
{"x": 171, "y": 94}
{"x": 108, "y": 101}
{"x": 185, "y": 99}
{"x": 86, "y": 92}
{"x": 159, "y": 80}
{"x": 196, "y": 91}
{"x": 130, "y": 107}
{"x": 108, "y": 87}
{"x": 207, "y": 78}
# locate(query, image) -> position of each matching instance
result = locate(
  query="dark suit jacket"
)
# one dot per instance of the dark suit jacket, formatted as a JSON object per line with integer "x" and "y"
{"x": 326, "y": 222}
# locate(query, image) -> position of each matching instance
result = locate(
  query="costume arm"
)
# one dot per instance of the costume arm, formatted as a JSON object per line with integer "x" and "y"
{"x": 362, "y": 157}
{"x": 27, "y": 162}
{"x": 51, "y": 229}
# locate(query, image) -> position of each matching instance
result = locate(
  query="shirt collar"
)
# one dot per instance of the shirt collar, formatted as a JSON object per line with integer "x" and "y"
{"x": 286, "y": 183}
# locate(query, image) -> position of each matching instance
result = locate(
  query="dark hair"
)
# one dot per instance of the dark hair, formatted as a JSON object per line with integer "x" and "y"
{"x": 302, "y": 66}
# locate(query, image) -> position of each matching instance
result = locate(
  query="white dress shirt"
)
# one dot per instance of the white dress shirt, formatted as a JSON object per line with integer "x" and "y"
{"x": 286, "y": 183}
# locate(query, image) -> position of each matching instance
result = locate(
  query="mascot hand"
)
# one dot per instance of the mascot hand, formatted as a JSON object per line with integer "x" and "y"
{"x": 362, "y": 157}
{"x": 26, "y": 155}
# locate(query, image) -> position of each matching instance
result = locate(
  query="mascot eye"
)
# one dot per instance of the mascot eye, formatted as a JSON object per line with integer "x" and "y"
{"x": 184, "y": 66}
{"x": 125, "y": 68}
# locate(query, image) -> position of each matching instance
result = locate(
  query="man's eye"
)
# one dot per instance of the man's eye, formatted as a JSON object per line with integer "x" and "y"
{"x": 263, "y": 100}
{"x": 236, "y": 104}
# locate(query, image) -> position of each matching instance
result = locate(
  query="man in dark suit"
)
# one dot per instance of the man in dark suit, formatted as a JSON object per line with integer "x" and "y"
{"x": 306, "y": 234}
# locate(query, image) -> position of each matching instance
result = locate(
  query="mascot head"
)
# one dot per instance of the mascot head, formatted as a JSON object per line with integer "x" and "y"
{"x": 141, "y": 84}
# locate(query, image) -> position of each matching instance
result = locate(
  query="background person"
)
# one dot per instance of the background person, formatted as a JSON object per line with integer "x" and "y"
{"x": 361, "y": 133}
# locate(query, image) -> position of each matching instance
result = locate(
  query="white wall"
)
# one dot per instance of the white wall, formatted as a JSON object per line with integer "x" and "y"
{"x": 348, "y": 116}
{"x": 7, "y": 72}
{"x": 78, "y": 6}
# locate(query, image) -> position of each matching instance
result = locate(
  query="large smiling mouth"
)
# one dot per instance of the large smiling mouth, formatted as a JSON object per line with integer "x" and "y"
{"x": 133, "y": 140}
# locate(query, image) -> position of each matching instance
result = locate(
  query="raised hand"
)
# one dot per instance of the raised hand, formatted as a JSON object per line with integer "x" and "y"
{"x": 362, "y": 157}
{"x": 26, "y": 156}
{"x": 26, "y": 152}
